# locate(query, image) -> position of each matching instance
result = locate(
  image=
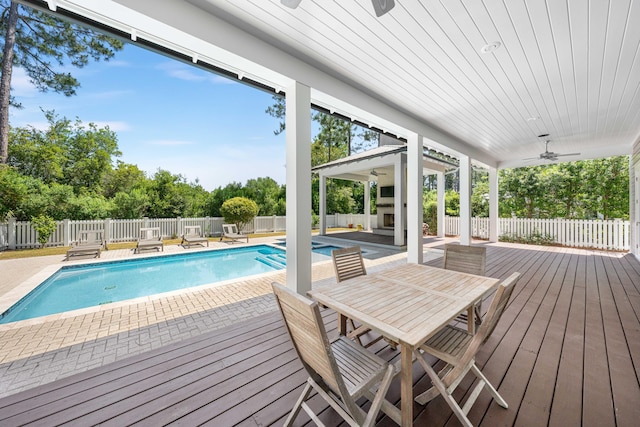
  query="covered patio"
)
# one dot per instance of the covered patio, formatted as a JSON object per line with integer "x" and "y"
{"x": 489, "y": 83}
{"x": 566, "y": 353}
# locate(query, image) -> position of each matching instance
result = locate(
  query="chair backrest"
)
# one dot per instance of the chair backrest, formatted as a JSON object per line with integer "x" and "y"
{"x": 150, "y": 233}
{"x": 348, "y": 263}
{"x": 309, "y": 337}
{"x": 465, "y": 259}
{"x": 91, "y": 237}
{"x": 497, "y": 307}
{"x": 230, "y": 228}
{"x": 192, "y": 230}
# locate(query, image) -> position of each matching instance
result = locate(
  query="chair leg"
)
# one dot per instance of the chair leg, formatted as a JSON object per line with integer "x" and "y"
{"x": 446, "y": 395}
{"x": 376, "y": 404}
{"x": 499, "y": 400}
{"x": 296, "y": 409}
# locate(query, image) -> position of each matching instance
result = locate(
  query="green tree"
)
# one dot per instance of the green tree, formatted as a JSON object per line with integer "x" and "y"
{"x": 66, "y": 153}
{"x": 265, "y": 192}
{"x": 239, "y": 211}
{"x": 222, "y": 194}
{"x": 42, "y": 45}
{"x": 45, "y": 226}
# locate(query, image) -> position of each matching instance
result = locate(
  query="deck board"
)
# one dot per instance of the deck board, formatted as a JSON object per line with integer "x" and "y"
{"x": 566, "y": 352}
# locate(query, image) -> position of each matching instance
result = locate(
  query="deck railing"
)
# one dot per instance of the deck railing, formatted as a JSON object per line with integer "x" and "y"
{"x": 599, "y": 234}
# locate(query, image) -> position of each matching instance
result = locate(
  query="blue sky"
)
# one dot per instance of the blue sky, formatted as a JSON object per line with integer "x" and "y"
{"x": 168, "y": 115}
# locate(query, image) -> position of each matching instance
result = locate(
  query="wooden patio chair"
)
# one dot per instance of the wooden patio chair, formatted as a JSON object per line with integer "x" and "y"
{"x": 348, "y": 263}
{"x": 230, "y": 231}
{"x": 193, "y": 236}
{"x": 472, "y": 260}
{"x": 458, "y": 348}
{"x": 340, "y": 370}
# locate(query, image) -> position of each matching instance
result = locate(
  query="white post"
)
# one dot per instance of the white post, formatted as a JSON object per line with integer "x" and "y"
{"x": 494, "y": 226}
{"x": 107, "y": 231}
{"x": 398, "y": 200}
{"x": 465, "y": 200}
{"x": 66, "y": 233}
{"x": 298, "y": 142}
{"x": 414, "y": 199}
{"x": 11, "y": 231}
{"x": 441, "y": 205}
{"x": 367, "y": 205}
{"x": 322, "y": 203}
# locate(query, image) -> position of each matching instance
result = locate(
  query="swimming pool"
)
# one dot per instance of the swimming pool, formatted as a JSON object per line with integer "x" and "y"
{"x": 79, "y": 286}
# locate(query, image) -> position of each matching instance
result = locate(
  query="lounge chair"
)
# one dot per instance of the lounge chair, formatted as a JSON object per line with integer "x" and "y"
{"x": 230, "y": 231}
{"x": 149, "y": 239}
{"x": 89, "y": 243}
{"x": 193, "y": 236}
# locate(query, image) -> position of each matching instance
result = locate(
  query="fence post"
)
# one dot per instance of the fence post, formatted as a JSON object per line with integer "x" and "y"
{"x": 274, "y": 223}
{"x": 178, "y": 226}
{"x": 145, "y": 222}
{"x": 107, "y": 230}
{"x": 66, "y": 233}
{"x": 11, "y": 231}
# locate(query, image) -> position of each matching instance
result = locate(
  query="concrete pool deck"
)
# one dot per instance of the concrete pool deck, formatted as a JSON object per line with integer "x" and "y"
{"x": 37, "y": 351}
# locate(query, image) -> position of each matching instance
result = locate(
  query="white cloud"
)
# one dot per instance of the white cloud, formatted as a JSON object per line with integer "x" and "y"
{"x": 181, "y": 71}
{"x": 21, "y": 85}
{"x": 169, "y": 142}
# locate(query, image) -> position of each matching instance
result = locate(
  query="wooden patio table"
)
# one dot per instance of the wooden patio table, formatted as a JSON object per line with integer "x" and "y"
{"x": 408, "y": 304}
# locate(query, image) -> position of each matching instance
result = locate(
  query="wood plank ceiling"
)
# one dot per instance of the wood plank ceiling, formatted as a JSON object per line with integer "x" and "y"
{"x": 569, "y": 68}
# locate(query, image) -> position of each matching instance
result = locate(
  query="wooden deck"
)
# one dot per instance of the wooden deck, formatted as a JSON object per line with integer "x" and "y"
{"x": 566, "y": 353}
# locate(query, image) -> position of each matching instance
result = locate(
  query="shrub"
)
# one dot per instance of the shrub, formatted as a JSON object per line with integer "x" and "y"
{"x": 239, "y": 211}
{"x": 44, "y": 226}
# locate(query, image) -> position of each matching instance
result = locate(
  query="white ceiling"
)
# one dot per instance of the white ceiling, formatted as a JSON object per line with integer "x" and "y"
{"x": 573, "y": 65}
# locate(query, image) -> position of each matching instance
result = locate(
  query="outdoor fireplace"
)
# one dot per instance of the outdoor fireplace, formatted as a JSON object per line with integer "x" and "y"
{"x": 388, "y": 220}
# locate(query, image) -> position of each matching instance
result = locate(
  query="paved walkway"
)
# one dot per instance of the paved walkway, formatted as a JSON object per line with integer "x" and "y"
{"x": 38, "y": 351}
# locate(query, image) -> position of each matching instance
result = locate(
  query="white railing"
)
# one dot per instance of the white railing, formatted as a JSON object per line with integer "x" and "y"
{"x": 599, "y": 234}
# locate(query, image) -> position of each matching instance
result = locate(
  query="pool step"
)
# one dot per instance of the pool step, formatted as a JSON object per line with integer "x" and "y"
{"x": 277, "y": 261}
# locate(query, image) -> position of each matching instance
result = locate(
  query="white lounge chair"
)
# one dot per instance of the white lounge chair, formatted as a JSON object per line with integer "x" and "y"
{"x": 230, "y": 231}
{"x": 89, "y": 243}
{"x": 150, "y": 239}
{"x": 193, "y": 236}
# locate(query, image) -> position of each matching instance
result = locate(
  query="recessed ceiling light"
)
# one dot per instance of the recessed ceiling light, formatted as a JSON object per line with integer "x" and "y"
{"x": 533, "y": 119}
{"x": 491, "y": 47}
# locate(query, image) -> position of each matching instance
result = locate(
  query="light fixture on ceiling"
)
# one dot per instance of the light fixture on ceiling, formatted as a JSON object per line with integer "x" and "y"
{"x": 490, "y": 47}
{"x": 382, "y": 6}
{"x": 379, "y": 6}
{"x": 291, "y": 3}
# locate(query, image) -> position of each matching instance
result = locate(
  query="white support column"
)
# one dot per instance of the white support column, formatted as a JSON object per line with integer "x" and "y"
{"x": 298, "y": 141}
{"x": 494, "y": 224}
{"x": 398, "y": 201}
{"x": 322, "y": 202}
{"x": 465, "y": 200}
{"x": 414, "y": 199}
{"x": 441, "y": 204}
{"x": 367, "y": 205}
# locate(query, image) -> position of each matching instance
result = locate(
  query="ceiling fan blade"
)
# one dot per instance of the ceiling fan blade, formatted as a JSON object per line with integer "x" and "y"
{"x": 566, "y": 154}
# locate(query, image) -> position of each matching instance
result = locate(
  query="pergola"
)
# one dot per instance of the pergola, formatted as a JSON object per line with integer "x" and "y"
{"x": 385, "y": 165}
{"x": 486, "y": 82}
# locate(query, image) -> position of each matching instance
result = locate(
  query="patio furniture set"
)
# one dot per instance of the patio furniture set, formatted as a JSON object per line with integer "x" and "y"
{"x": 415, "y": 307}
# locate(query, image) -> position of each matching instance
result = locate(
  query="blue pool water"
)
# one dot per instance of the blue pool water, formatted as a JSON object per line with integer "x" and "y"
{"x": 74, "y": 287}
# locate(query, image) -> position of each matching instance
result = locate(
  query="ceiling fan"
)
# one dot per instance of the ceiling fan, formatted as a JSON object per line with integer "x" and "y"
{"x": 550, "y": 155}
{"x": 376, "y": 173}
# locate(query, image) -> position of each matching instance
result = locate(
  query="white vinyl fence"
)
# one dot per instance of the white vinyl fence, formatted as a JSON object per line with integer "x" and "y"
{"x": 599, "y": 234}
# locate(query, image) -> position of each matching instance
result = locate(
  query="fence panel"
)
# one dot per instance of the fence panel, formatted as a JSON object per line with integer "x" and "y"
{"x": 600, "y": 234}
